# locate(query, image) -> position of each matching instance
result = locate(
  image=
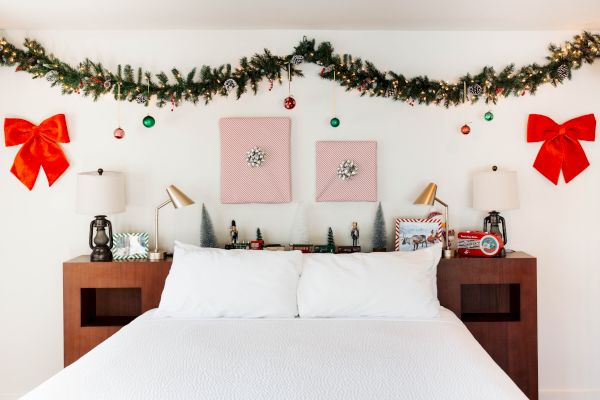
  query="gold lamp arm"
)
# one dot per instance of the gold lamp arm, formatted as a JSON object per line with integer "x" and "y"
{"x": 157, "y": 255}
{"x": 447, "y": 249}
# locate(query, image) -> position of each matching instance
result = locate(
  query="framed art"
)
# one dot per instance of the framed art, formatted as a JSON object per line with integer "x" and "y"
{"x": 130, "y": 246}
{"x": 346, "y": 171}
{"x": 255, "y": 160}
{"x": 416, "y": 233}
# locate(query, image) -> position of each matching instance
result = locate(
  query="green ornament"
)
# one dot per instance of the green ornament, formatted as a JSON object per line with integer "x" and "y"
{"x": 335, "y": 122}
{"x": 149, "y": 121}
{"x": 488, "y": 116}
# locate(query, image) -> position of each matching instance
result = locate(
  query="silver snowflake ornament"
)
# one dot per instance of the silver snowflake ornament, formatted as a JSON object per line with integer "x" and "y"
{"x": 230, "y": 84}
{"x": 347, "y": 170}
{"x": 51, "y": 76}
{"x": 297, "y": 59}
{"x": 255, "y": 157}
{"x": 141, "y": 98}
{"x": 563, "y": 71}
{"x": 390, "y": 92}
{"x": 475, "y": 90}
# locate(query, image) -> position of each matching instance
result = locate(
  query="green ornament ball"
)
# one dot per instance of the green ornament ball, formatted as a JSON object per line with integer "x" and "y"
{"x": 335, "y": 122}
{"x": 488, "y": 116}
{"x": 149, "y": 121}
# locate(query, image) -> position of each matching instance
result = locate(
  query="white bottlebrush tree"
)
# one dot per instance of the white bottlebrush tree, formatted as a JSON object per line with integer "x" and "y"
{"x": 207, "y": 231}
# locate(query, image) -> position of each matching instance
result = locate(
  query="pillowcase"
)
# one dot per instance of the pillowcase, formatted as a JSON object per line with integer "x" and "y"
{"x": 210, "y": 283}
{"x": 394, "y": 284}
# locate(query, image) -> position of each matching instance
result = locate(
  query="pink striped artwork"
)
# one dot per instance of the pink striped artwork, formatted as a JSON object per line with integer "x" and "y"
{"x": 268, "y": 182}
{"x": 415, "y": 233}
{"x": 359, "y": 187}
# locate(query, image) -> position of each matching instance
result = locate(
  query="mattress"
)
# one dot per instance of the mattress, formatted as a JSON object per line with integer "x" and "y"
{"x": 260, "y": 359}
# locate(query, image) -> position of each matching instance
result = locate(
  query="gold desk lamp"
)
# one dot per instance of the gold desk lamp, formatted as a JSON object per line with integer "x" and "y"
{"x": 428, "y": 197}
{"x": 179, "y": 199}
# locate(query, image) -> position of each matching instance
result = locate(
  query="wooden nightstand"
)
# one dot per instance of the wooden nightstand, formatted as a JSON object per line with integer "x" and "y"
{"x": 496, "y": 298}
{"x": 101, "y": 297}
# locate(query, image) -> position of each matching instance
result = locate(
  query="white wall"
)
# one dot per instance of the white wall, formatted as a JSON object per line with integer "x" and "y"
{"x": 40, "y": 229}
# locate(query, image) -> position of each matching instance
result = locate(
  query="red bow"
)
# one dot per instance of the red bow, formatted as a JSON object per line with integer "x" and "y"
{"x": 40, "y": 148}
{"x": 561, "y": 148}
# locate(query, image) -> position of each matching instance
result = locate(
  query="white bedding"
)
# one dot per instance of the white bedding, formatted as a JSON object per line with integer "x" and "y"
{"x": 260, "y": 359}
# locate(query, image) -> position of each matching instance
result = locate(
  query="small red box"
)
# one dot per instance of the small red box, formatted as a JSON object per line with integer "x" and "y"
{"x": 480, "y": 244}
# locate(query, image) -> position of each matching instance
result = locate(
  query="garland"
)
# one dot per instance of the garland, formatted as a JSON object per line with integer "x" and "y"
{"x": 92, "y": 79}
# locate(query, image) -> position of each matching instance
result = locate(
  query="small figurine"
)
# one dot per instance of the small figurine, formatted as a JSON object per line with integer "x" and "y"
{"x": 233, "y": 232}
{"x": 355, "y": 233}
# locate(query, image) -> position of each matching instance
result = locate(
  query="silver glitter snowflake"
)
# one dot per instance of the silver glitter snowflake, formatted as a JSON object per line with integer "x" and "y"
{"x": 390, "y": 92}
{"x": 563, "y": 71}
{"x": 51, "y": 76}
{"x": 347, "y": 170}
{"x": 475, "y": 90}
{"x": 255, "y": 157}
{"x": 107, "y": 84}
{"x": 141, "y": 98}
{"x": 230, "y": 84}
{"x": 297, "y": 59}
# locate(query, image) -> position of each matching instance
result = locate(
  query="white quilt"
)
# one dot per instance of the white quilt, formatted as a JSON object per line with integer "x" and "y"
{"x": 330, "y": 359}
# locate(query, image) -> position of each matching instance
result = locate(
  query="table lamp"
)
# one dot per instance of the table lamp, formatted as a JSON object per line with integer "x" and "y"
{"x": 100, "y": 193}
{"x": 179, "y": 199}
{"x": 495, "y": 191}
{"x": 428, "y": 197}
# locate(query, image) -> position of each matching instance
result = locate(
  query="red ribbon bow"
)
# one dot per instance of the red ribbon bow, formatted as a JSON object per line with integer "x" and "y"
{"x": 561, "y": 148}
{"x": 40, "y": 148}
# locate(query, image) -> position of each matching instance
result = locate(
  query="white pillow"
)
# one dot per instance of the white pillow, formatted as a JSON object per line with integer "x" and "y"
{"x": 395, "y": 284}
{"x": 209, "y": 283}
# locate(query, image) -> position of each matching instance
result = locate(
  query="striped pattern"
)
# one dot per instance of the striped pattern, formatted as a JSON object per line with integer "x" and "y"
{"x": 130, "y": 246}
{"x": 360, "y": 187}
{"x": 437, "y": 221}
{"x": 271, "y": 181}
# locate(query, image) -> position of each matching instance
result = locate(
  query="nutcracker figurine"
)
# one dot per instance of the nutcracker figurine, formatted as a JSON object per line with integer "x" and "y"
{"x": 233, "y": 232}
{"x": 355, "y": 233}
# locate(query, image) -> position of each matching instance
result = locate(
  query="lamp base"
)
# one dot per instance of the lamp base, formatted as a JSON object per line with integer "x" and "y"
{"x": 157, "y": 255}
{"x": 101, "y": 254}
{"x": 448, "y": 253}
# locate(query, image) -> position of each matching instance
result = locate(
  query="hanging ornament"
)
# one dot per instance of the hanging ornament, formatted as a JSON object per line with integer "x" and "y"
{"x": 562, "y": 72}
{"x": 119, "y": 133}
{"x": 172, "y": 103}
{"x": 149, "y": 121}
{"x": 230, "y": 84}
{"x": 289, "y": 102}
{"x": 335, "y": 122}
{"x": 270, "y": 84}
{"x": 499, "y": 90}
{"x": 140, "y": 98}
{"x": 390, "y": 92}
{"x": 297, "y": 59}
{"x": 347, "y": 170}
{"x": 465, "y": 129}
{"x": 475, "y": 90}
{"x": 488, "y": 116}
{"x": 51, "y": 76}
{"x": 327, "y": 69}
{"x": 255, "y": 157}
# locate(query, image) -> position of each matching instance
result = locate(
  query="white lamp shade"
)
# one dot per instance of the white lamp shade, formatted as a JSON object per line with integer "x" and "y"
{"x": 495, "y": 191}
{"x": 100, "y": 194}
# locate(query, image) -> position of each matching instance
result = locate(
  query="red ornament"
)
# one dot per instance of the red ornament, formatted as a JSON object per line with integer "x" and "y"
{"x": 499, "y": 90}
{"x": 322, "y": 71}
{"x": 119, "y": 133}
{"x": 40, "y": 148}
{"x": 289, "y": 102}
{"x": 270, "y": 84}
{"x": 465, "y": 129}
{"x": 561, "y": 149}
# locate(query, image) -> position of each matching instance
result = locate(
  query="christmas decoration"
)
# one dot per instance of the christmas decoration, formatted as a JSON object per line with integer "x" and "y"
{"x": 230, "y": 84}
{"x": 258, "y": 234}
{"x": 346, "y": 170}
{"x": 475, "y": 90}
{"x": 355, "y": 233}
{"x": 335, "y": 122}
{"x": 352, "y": 72}
{"x": 207, "y": 231}
{"x": 270, "y": 84}
{"x": 330, "y": 240}
{"x": 119, "y": 133}
{"x": 379, "y": 239}
{"x": 299, "y": 230}
{"x": 465, "y": 129}
{"x": 297, "y": 59}
{"x": 40, "y": 148}
{"x": 488, "y": 116}
{"x": 289, "y": 102}
{"x": 561, "y": 149}
{"x": 233, "y": 232}
{"x": 141, "y": 99}
{"x": 255, "y": 157}
{"x": 149, "y": 121}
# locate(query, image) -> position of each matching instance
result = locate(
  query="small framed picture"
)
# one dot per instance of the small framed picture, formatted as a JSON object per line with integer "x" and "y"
{"x": 417, "y": 233}
{"x": 130, "y": 246}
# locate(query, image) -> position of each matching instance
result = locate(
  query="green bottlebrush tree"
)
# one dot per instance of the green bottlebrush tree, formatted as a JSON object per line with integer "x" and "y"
{"x": 258, "y": 234}
{"x": 330, "y": 240}
{"x": 379, "y": 232}
{"x": 207, "y": 231}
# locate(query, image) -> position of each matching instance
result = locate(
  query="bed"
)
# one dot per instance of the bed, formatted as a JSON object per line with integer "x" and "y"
{"x": 180, "y": 358}
{"x": 283, "y": 325}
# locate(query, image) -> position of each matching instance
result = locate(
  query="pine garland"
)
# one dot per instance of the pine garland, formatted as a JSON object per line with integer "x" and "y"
{"x": 128, "y": 84}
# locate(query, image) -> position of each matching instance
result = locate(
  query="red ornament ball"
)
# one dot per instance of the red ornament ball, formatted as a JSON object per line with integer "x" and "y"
{"x": 465, "y": 129}
{"x": 289, "y": 102}
{"x": 119, "y": 133}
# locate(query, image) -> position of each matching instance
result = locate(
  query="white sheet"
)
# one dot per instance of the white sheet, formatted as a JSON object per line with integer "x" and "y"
{"x": 331, "y": 359}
